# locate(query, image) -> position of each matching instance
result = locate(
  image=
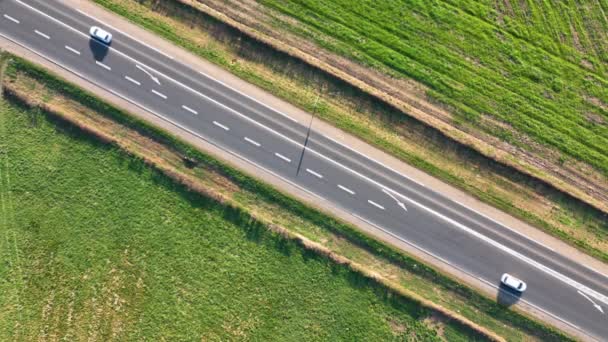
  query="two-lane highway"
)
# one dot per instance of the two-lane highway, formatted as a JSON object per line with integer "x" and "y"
{"x": 278, "y": 143}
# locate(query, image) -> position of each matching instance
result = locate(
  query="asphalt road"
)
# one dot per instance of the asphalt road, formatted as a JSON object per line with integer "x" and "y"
{"x": 335, "y": 173}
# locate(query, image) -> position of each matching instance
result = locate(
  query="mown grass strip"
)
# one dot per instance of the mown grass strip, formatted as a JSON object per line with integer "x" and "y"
{"x": 265, "y": 192}
{"x": 360, "y": 129}
{"x": 118, "y": 250}
{"x": 536, "y": 93}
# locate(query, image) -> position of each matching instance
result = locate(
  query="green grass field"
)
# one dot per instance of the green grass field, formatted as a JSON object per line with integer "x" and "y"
{"x": 538, "y": 66}
{"x": 95, "y": 245}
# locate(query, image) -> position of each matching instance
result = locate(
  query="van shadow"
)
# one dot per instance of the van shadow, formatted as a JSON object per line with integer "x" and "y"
{"x": 507, "y": 296}
{"x": 99, "y": 50}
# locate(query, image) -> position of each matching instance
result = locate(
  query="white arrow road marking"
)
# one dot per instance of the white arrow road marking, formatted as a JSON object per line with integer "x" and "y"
{"x": 592, "y": 302}
{"x": 154, "y": 78}
{"x": 399, "y": 203}
{"x": 555, "y": 274}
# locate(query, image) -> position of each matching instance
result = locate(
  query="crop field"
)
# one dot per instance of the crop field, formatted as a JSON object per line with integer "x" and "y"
{"x": 95, "y": 245}
{"x": 510, "y": 68}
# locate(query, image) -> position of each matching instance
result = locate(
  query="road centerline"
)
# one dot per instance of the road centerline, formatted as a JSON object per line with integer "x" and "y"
{"x": 11, "y": 19}
{"x": 375, "y": 204}
{"x": 159, "y": 94}
{"x": 132, "y": 80}
{"x": 107, "y": 67}
{"x": 186, "y": 108}
{"x": 387, "y": 188}
{"x": 282, "y": 157}
{"x": 224, "y": 127}
{"x": 315, "y": 173}
{"x": 252, "y": 142}
{"x": 42, "y": 34}
{"x": 343, "y": 188}
{"x": 69, "y": 48}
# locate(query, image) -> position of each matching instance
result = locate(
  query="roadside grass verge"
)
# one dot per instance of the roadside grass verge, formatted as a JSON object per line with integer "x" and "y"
{"x": 402, "y": 274}
{"x": 473, "y": 65}
{"x": 102, "y": 246}
{"x": 516, "y": 192}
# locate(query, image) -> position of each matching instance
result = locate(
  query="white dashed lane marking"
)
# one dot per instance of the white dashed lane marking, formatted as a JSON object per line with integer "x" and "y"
{"x": 72, "y": 50}
{"x": 283, "y": 157}
{"x": 186, "y": 108}
{"x": 11, "y": 19}
{"x": 103, "y": 65}
{"x": 225, "y": 128}
{"x": 253, "y": 142}
{"x": 42, "y": 34}
{"x": 375, "y": 204}
{"x": 159, "y": 94}
{"x": 346, "y": 189}
{"x": 314, "y": 173}
{"x": 134, "y": 81}
{"x": 461, "y": 226}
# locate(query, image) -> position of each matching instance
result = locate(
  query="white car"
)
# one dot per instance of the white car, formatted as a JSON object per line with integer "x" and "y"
{"x": 514, "y": 283}
{"x": 100, "y": 34}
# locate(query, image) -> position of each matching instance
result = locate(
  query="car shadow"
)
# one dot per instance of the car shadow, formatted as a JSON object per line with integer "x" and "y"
{"x": 99, "y": 49}
{"x": 507, "y": 296}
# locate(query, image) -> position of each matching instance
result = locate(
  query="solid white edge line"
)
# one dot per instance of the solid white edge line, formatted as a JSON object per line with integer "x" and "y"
{"x": 206, "y": 75}
{"x": 132, "y": 80}
{"x": 282, "y": 157}
{"x": 314, "y": 173}
{"x": 190, "y": 110}
{"x": 505, "y": 227}
{"x": 435, "y": 256}
{"x": 531, "y": 262}
{"x": 103, "y": 65}
{"x": 464, "y": 206}
{"x": 42, "y": 34}
{"x": 125, "y": 34}
{"x": 266, "y": 170}
{"x": 508, "y": 250}
{"x": 372, "y": 159}
{"x": 375, "y": 204}
{"x": 225, "y": 128}
{"x": 159, "y": 94}
{"x": 252, "y": 142}
{"x": 249, "y": 97}
{"x": 11, "y": 19}
{"x": 72, "y": 50}
{"x": 226, "y": 107}
{"x": 346, "y": 189}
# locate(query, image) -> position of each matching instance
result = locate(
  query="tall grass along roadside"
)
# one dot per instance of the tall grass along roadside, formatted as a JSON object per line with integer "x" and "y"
{"x": 262, "y": 193}
{"x": 96, "y": 245}
{"x": 103, "y": 246}
{"x": 516, "y": 192}
{"x": 479, "y": 67}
